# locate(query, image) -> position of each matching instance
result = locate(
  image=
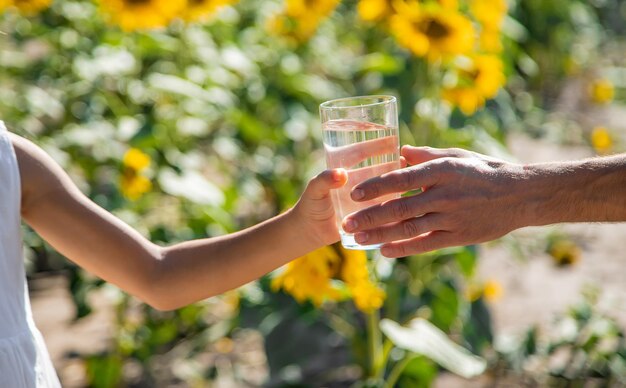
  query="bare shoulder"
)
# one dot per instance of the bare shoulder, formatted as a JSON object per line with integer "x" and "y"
{"x": 34, "y": 164}
{"x": 39, "y": 173}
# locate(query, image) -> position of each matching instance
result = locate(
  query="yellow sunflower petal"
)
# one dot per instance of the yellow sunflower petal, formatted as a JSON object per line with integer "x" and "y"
{"x": 142, "y": 14}
{"x": 601, "y": 140}
{"x": 433, "y": 31}
{"x": 602, "y": 91}
{"x": 310, "y": 277}
{"x": 134, "y": 186}
{"x": 367, "y": 297}
{"x": 29, "y": 7}
{"x": 136, "y": 160}
{"x": 374, "y": 10}
{"x": 492, "y": 291}
{"x": 203, "y": 9}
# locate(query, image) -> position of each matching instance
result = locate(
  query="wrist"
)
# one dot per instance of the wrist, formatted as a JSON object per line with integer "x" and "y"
{"x": 523, "y": 196}
{"x": 560, "y": 192}
{"x": 533, "y": 195}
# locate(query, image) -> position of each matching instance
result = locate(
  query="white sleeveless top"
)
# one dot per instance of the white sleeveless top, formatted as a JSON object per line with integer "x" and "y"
{"x": 24, "y": 359}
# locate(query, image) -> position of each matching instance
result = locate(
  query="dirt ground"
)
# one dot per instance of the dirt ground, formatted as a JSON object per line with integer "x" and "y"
{"x": 534, "y": 289}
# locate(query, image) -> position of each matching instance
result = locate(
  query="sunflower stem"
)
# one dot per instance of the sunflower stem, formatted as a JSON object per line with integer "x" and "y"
{"x": 374, "y": 340}
{"x": 396, "y": 372}
{"x": 387, "y": 347}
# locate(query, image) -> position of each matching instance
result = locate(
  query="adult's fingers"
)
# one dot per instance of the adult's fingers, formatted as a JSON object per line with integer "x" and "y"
{"x": 420, "y": 244}
{"x": 402, "y": 230}
{"x": 394, "y": 210}
{"x": 319, "y": 186}
{"x": 397, "y": 181}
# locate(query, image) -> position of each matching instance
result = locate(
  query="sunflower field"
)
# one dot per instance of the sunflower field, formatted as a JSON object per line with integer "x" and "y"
{"x": 195, "y": 118}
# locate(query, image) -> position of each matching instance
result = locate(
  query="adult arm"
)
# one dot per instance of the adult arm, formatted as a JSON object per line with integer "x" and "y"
{"x": 166, "y": 277}
{"x": 468, "y": 198}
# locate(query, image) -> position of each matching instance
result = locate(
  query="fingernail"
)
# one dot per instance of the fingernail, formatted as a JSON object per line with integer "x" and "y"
{"x": 350, "y": 225}
{"x": 358, "y": 194}
{"x": 338, "y": 174}
{"x": 361, "y": 237}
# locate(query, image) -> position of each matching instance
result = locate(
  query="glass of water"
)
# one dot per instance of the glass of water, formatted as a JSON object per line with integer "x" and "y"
{"x": 360, "y": 135}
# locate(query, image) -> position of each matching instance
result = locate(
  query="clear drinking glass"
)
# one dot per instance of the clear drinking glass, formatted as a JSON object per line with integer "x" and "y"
{"x": 361, "y": 136}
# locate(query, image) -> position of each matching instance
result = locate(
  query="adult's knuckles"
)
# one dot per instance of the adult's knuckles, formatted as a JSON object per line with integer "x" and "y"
{"x": 396, "y": 251}
{"x": 447, "y": 166}
{"x": 367, "y": 219}
{"x": 444, "y": 200}
{"x": 450, "y": 222}
{"x": 410, "y": 228}
{"x": 376, "y": 235}
{"x": 400, "y": 209}
{"x": 406, "y": 179}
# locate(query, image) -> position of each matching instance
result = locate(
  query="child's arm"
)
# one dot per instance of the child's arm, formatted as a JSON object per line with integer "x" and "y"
{"x": 171, "y": 277}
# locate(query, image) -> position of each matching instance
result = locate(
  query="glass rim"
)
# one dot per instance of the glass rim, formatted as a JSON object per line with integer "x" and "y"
{"x": 383, "y": 99}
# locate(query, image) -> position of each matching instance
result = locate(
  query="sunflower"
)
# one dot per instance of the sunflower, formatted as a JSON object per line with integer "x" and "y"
{"x": 564, "y": 252}
{"x": 132, "y": 183}
{"x": 366, "y": 295}
{"x": 201, "y": 9}
{"x": 300, "y": 18}
{"x": 374, "y": 10}
{"x": 309, "y": 277}
{"x": 491, "y": 291}
{"x": 476, "y": 79}
{"x": 601, "y": 140}
{"x": 401, "y": 6}
{"x": 136, "y": 160}
{"x": 451, "y": 4}
{"x": 490, "y": 13}
{"x": 26, "y": 7}
{"x": 331, "y": 273}
{"x": 301, "y": 8}
{"x": 601, "y": 91}
{"x": 490, "y": 41}
{"x": 433, "y": 31}
{"x": 142, "y": 14}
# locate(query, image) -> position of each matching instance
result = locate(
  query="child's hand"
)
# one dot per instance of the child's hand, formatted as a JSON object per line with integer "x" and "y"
{"x": 315, "y": 210}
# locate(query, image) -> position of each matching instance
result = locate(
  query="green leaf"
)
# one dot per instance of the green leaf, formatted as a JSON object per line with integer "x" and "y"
{"x": 104, "y": 371}
{"x": 381, "y": 62}
{"x": 422, "y": 337}
{"x": 444, "y": 305}
{"x": 418, "y": 373}
{"x": 466, "y": 259}
{"x": 164, "y": 333}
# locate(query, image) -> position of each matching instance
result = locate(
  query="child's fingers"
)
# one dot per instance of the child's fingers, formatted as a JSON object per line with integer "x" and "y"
{"x": 329, "y": 179}
{"x": 353, "y": 154}
{"x": 417, "y": 155}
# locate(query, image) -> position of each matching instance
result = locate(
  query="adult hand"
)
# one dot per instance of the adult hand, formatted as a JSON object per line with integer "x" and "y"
{"x": 465, "y": 198}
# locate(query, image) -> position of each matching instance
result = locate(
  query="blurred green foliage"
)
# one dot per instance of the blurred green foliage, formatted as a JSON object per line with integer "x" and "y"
{"x": 228, "y": 115}
{"x": 585, "y": 346}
